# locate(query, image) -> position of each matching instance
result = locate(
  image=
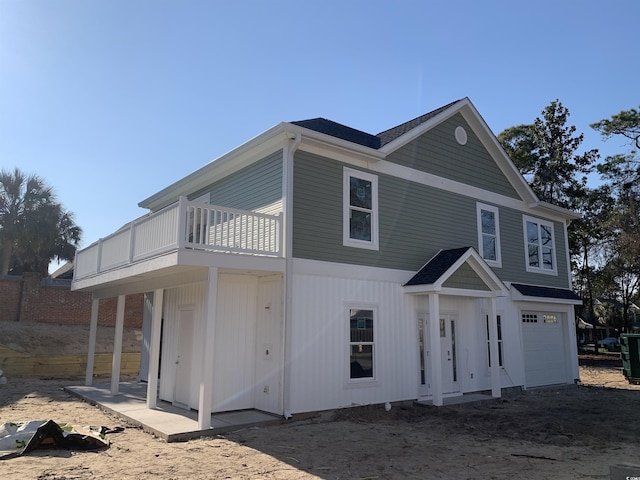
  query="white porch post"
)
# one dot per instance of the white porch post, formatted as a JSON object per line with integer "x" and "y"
{"x": 117, "y": 346}
{"x": 154, "y": 349}
{"x": 493, "y": 349}
{"x": 207, "y": 345}
{"x": 435, "y": 357}
{"x": 93, "y": 329}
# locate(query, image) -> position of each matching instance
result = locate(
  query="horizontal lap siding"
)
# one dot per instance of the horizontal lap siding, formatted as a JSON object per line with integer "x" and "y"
{"x": 513, "y": 253}
{"x": 415, "y": 221}
{"x": 251, "y": 188}
{"x": 437, "y": 152}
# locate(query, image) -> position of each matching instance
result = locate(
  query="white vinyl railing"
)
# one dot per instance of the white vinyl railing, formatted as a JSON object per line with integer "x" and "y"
{"x": 184, "y": 225}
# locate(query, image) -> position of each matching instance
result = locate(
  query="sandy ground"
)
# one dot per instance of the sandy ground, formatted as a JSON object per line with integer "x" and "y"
{"x": 568, "y": 432}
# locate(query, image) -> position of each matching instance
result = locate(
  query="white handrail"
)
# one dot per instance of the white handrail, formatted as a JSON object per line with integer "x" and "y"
{"x": 184, "y": 225}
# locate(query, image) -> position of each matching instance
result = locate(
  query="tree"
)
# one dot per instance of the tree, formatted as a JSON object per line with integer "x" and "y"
{"x": 622, "y": 171}
{"x": 625, "y": 123}
{"x": 34, "y": 228}
{"x": 546, "y": 154}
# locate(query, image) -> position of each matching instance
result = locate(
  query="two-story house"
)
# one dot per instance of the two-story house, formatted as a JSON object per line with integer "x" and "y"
{"x": 318, "y": 266}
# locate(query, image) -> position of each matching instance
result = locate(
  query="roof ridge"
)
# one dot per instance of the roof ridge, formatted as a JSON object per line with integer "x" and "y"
{"x": 391, "y": 134}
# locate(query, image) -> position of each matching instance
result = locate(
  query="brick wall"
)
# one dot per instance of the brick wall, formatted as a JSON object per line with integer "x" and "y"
{"x": 32, "y": 299}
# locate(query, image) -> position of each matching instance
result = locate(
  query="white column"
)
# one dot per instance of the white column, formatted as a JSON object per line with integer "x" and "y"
{"x": 117, "y": 346}
{"x": 154, "y": 349}
{"x": 207, "y": 330}
{"x": 493, "y": 349}
{"x": 93, "y": 330}
{"x": 435, "y": 356}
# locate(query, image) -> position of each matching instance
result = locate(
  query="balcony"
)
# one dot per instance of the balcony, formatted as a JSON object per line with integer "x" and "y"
{"x": 183, "y": 226}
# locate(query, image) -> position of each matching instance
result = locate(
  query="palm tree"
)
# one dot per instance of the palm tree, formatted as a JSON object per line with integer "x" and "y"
{"x": 34, "y": 228}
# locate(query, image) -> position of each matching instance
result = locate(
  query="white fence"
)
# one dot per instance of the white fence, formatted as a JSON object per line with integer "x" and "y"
{"x": 184, "y": 225}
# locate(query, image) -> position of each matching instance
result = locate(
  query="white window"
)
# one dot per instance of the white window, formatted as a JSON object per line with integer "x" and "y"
{"x": 500, "y": 356}
{"x": 360, "y": 201}
{"x": 489, "y": 234}
{"x": 539, "y": 246}
{"x": 361, "y": 344}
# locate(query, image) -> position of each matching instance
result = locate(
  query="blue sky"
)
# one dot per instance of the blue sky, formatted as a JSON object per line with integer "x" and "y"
{"x": 113, "y": 100}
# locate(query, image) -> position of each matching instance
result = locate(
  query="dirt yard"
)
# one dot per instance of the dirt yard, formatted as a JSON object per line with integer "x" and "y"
{"x": 571, "y": 432}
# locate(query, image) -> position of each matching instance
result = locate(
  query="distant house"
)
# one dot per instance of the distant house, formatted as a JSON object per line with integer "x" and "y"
{"x": 318, "y": 266}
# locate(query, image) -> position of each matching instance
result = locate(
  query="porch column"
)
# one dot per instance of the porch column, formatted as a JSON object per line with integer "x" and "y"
{"x": 117, "y": 347}
{"x": 493, "y": 349}
{"x": 207, "y": 347}
{"x": 93, "y": 329}
{"x": 435, "y": 355}
{"x": 154, "y": 349}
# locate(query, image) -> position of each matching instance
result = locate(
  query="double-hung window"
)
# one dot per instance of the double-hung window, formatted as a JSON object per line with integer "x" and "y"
{"x": 360, "y": 213}
{"x": 539, "y": 246}
{"x": 489, "y": 234}
{"x": 361, "y": 344}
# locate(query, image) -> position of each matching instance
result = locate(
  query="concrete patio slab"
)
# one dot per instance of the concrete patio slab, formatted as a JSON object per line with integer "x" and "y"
{"x": 167, "y": 421}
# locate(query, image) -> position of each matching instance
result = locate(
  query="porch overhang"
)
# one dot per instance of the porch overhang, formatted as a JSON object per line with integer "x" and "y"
{"x": 172, "y": 269}
{"x": 461, "y": 272}
{"x": 534, "y": 293}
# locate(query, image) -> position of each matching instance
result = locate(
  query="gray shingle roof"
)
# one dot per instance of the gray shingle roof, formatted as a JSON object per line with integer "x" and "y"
{"x": 338, "y": 130}
{"x": 436, "y": 267}
{"x": 546, "y": 292}
{"x": 349, "y": 134}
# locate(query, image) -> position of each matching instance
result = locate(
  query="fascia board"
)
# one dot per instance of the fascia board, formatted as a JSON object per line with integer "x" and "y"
{"x": 269, "y": 141}
{"x": 480, "y": 267}
{"x": 486, "y": 136}
{"x": 411, "y": 135}
{"x": 323, "y": 142}
{"x": 555, "y": 210}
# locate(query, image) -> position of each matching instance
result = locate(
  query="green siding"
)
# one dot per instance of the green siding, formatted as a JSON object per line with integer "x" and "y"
{"x": 466, "y": 277}
{"x": 415, "y": 222}
{"x": 253, "y": 187}
{"x": 437, "y": 151}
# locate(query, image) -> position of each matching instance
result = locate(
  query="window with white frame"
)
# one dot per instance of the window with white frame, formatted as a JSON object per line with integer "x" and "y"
{"x": 361, "y": 343}
{"x": 360, "y": 200}
{"x": 489, "y": 234}
{"x": 500, "y": 356}
{"x": 539, "y": 247}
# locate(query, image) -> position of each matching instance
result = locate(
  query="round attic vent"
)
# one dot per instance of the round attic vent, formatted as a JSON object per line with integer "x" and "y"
{"x": 461, "y": 135}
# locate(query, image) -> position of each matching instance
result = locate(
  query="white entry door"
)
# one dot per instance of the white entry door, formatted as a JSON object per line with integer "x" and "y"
{"x": 182, "y": 393}
{"x": 448, "y": 355}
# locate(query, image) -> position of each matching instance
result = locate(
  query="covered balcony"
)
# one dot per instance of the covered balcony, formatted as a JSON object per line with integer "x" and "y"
{"x": 180, "y": 240}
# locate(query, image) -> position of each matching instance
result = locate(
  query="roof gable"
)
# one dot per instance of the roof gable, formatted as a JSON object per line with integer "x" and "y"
{"x": 440, "y": 274}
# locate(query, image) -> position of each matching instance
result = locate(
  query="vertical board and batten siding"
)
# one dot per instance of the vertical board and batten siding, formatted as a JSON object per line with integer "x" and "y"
{"x": 437, "y": 152}
{"x": 234, "y": 344}
{"x": 252, "y": 188}
{"x": 319, "y": 355}
{"x": 415, "y": 222}
{"x": 191, "y": 295}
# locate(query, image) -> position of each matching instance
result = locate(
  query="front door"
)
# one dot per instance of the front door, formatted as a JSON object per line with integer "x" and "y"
{"x": 182, "y": 393}
{"x": 448, "y": 354}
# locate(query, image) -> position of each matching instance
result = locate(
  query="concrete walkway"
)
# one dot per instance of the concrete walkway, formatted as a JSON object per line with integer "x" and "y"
{"x": 171, "y": 423}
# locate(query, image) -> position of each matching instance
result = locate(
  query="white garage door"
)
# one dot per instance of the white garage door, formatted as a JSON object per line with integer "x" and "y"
{"x": 544, "y": 349}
